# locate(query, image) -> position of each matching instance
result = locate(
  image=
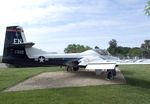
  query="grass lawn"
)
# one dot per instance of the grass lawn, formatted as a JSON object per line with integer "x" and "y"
{"x": 137, "y": 75}
{"x": 137, "y": 90}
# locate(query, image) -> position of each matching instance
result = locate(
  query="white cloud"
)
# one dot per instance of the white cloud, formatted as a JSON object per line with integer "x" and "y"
{"x": 51, "y": 19}
{"x": 31, "y": 11}
{"x": 71, "y": 32}
{"x": 34, "y": 12}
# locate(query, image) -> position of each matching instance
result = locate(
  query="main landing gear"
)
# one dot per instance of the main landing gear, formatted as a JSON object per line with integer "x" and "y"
{"x": 111, "y": 73}
{"x": 72, "y": 68}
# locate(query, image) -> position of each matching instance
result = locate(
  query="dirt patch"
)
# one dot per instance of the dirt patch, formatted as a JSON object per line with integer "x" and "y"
{"x": 66, "y": 79}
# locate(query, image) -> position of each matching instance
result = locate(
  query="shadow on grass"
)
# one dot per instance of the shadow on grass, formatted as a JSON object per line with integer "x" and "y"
{"x": 136, "y": 81}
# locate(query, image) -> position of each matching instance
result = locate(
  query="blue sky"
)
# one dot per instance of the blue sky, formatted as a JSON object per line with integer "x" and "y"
{"x": 53, "y": 24}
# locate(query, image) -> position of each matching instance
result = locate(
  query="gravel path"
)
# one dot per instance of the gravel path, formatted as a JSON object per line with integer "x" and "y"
{"x": 66, "y": 79}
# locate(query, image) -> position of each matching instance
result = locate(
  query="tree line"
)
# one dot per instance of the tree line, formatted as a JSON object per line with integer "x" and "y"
{"x": 142, "y": 52}
{"x": 123, "y": 52}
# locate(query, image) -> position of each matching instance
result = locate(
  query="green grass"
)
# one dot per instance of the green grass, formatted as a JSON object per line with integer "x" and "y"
{"x": 137, "y": 90}
{"x": 114, "y": 94}
{"x": 137, "y": 75}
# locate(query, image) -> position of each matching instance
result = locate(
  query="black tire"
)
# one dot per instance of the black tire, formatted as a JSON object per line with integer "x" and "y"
{"x": 75, "y": 68}
{"x": 114, "y": 72}
{"x": 69, "y": 69}
{"x": 110, "y": 75}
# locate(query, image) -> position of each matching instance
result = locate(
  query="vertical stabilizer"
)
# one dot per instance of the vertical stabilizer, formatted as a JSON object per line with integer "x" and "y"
{"x": 14, "y": 36}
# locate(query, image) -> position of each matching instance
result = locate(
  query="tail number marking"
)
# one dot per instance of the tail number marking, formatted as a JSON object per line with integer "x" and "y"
{"x": 20, "y": 52}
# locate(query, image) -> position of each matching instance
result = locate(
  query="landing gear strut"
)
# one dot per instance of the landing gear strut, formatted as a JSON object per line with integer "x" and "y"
{"x": 72, "y": 69}
{"x": 111, "y": 73}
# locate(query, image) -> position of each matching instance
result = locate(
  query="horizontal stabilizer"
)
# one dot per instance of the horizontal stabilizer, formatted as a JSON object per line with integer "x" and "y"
{"x": 101, "y": 66}
{"x": 26, "y": 45}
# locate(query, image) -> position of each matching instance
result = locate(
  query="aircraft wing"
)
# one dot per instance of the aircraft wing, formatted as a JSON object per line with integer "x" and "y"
{"x": 101, "y": 65}
{"x": 97, "y": 63}
{"x": 132, "y": 62}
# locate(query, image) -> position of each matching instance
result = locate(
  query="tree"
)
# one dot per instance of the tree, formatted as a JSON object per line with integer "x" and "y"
{"x": 112, "y": 47}
{"x": 122, "y": 51}
{"x": 113, "y": 43}
{"x": 135, "y": 52}
{"x": 147, "y": 8}
{"x": 96, "y": 47}
{"x": 147, "y": 44}
{"x": 76, "y": 48}
{"x": 146, "y": 48}
{"x": 146, "y": 53}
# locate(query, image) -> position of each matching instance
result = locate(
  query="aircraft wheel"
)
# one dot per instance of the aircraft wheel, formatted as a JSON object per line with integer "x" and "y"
{"x": 75, "y": 69}
{"x": 69, "y": 69}
{"x": 72, "y": 69}
{"x": 110, "y": 74}
{"x": 114, "y": 72}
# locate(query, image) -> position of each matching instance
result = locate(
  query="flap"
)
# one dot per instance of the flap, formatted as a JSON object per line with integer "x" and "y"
{"x": 101, "y": 66}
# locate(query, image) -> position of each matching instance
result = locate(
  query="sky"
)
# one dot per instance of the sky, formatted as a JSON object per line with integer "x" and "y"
{"x": 53, "y": 24}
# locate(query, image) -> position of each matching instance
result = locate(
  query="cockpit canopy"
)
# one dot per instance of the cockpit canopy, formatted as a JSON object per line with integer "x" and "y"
{"x": 102, "y": 52}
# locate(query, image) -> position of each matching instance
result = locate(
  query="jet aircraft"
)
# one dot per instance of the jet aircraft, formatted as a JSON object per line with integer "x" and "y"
{"x": 18, "y": 52}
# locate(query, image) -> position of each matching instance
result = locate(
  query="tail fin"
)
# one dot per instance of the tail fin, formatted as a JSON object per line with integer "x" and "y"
{"x": 14, "y": 36}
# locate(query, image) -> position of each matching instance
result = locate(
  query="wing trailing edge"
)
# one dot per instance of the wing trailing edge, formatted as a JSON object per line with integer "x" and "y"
{"x": 101, "y": 65}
